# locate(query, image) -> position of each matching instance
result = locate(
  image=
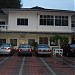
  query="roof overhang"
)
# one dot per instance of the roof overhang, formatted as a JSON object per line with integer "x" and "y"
{"x": 37, "y": 9}
{"x": 21, "y": 32}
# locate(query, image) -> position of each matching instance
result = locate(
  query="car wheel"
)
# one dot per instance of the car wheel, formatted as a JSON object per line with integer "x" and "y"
{"x": 11, "y": 54}
{"x": 19, "y": 54}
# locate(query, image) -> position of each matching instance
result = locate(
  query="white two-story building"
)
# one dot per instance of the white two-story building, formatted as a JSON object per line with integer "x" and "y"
{"x": 36, "y": 24}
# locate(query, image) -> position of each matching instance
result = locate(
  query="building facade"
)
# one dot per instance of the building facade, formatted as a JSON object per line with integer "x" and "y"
{"x": 36, "y": 24}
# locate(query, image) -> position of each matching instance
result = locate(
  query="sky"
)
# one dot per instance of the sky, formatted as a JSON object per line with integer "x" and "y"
{"x": 50, "y": 4}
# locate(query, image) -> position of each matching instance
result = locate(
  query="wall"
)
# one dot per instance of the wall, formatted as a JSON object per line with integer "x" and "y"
{"x": 33, "y": 22}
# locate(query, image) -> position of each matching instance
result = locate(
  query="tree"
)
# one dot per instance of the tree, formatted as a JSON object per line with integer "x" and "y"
{"x": 61, "y": 40}
{"x": 10, "y": 4}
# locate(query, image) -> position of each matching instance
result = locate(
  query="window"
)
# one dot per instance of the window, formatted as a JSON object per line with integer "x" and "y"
{"x": 61, "y": 20}
{"x": 13, "y": 42}
{"x": 49, "y": 20}
{"x": 64, "y": 20}
{"x": 2, "y": 40}
{"x": 58, "y": 20}
{"x": 22, "y": 21}
{"x": 46, "y": 20}
{"x": 31, "y": 41}
{"x": 73, "y": 21}
{"x": 43, "y": 40}
{"x": 2, "y": 22}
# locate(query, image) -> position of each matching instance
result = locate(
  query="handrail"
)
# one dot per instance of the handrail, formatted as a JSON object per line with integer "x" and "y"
{"x": 3, "y": 27}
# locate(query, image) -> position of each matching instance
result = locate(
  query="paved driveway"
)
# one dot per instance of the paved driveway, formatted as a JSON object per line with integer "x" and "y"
{"x": 32, "y": 65}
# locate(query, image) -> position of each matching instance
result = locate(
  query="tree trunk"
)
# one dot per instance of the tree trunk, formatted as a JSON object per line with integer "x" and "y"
{"x": 59, "y": 43}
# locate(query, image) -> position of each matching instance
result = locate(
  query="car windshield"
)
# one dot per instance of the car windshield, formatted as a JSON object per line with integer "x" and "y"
{"x": 43, "y": 46}
{"x": 72, "y": 45}
{"x": 24, "y": 46}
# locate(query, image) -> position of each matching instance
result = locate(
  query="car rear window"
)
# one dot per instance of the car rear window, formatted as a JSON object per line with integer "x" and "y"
{"x": 5, "y": 45}
{"x": 24, "y": 46}
{"x": 43, "y": 46}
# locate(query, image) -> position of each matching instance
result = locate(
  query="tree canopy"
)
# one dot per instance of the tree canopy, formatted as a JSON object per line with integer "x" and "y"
{"x": 60, "y": 39}
{"x": 64, "y": 39}
{"x": 10, "y": 4}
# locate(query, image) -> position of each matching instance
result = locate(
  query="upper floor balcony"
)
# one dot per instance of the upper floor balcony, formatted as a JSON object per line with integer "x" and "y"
{"x": 3, "y": 27}
{"x": 73, "y": 29}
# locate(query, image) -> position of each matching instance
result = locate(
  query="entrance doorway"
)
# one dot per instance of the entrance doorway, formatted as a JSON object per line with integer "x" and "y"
{"x": 22, "y": 41}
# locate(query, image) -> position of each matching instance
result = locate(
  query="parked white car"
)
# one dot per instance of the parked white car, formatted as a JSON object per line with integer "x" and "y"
{"x": 43, "y": 49}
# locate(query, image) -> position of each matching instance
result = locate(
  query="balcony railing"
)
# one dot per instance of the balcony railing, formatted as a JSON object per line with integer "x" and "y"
{"x": 73, "y": 29}
{"x": 3, "y": 27}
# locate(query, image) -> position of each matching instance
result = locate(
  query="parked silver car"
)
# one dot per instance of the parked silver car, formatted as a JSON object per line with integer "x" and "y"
{"x": 6, "y": 48}
{"x": 43, "y": 49}
{"x": 24, "y": 49}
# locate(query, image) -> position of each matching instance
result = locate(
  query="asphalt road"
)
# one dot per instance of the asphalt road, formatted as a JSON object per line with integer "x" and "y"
{"x": 33, "y": 65}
